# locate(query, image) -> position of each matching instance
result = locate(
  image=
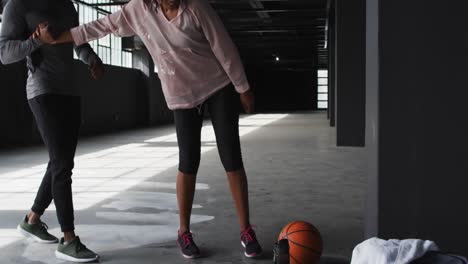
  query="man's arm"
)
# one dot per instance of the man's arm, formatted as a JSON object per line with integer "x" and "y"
{"x": 84, "y": 52}
{"x": 87, "y": 55}
{"x": 15, "y": 45}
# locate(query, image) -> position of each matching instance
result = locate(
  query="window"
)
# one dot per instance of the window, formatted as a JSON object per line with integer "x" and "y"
{"x": 322, "y": 96}
{"x": 108, "y": 48}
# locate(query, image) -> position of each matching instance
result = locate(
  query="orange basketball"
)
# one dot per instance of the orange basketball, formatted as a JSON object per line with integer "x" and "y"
{"x": 305, "y": 242}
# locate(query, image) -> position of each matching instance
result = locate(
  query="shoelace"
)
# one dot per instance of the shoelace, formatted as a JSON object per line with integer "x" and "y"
{"x": 80, "y": 247}
{"x": 187, "y": 237}
{"x": 43, "y": 225}
{"x": 248, "y": 234}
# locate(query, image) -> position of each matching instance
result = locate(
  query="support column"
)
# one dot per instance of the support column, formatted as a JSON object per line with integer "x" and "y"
{"x": 416, "y": 121}
{"x": 372, "y": 118}
{"x": 331, "y": 63}
{"x": 350, "y": 72}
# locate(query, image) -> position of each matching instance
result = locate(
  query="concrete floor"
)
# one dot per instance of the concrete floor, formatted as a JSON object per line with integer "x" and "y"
{"x": 124, "y": 187}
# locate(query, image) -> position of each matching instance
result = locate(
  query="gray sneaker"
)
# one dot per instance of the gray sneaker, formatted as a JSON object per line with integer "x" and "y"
{"x": 75, "y": 251}
{"x": 37, "y": 232}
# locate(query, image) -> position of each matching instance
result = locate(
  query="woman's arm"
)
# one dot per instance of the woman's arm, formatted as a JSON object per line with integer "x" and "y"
{"x": 120, "y": 23}
{"x": 221, "y": 43}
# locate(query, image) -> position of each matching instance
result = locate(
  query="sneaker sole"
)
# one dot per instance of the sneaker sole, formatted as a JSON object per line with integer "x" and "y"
{"x": 190, "y": 257}
{"x": 72, "y": 259}
{"x": 254, "y": 255}
{"x": 37, "y": 239}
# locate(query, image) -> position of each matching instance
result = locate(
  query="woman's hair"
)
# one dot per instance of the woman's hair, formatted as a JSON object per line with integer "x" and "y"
{"x": 152, "y": 4}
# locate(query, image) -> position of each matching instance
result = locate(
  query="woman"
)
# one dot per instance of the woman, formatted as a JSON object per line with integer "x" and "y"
{"x": 199, "y": 67}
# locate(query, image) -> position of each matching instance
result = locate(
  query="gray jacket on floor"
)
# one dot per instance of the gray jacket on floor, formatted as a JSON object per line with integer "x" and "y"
{"x": 50, "y": 66}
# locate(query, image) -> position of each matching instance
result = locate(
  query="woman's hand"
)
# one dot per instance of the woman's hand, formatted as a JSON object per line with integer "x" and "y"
{"x": 248, "y": 101}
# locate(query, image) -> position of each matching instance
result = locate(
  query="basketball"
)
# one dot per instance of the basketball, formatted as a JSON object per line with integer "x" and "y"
{"x": 305, "y": 242}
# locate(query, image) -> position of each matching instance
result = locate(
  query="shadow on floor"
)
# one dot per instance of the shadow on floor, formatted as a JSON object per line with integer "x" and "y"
{"x": 333, "y": 260}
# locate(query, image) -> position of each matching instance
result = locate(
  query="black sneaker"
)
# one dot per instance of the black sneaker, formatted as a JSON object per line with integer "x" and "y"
{"x": 188, "y": 248}
{"x": 75, "y": 251}
{"x": 249, "y": 241}
{"x": 38, "y": 232}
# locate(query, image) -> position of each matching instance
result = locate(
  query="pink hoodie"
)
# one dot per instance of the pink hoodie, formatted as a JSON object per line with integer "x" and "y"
{"x": 194, "y": 53}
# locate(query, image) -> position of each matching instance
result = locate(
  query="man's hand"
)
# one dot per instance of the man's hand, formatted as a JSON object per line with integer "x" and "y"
{"x": 248, "y": 101}
{"x": 97, "y": 69}
{"x": 43, "y": 34}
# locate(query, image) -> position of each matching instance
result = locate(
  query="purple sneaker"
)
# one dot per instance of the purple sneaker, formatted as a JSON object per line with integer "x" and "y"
{"x": 188, "y": 248}
{"x": 249, "y": 241}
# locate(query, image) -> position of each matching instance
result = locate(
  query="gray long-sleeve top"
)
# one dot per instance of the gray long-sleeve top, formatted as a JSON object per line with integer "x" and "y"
{"x": 50, "y": 66}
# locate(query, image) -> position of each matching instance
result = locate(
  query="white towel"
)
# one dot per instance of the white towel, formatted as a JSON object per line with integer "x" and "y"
{"x": 378, "y": 251}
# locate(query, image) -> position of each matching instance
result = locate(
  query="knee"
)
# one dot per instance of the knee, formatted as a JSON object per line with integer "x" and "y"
{"x": 189, "y": 162}
{"x": 232, "y": 161}
{"x": 62, "y": 168}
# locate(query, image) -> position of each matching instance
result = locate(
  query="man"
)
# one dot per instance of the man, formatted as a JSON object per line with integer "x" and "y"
{"x": 26, "y": 28}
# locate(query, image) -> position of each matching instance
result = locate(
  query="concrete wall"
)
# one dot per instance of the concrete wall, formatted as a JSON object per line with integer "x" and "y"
{"x": 420, "y": 172}
{"x": 123, "y": 99}
{"x": 15, "y": 117}
{"x": 113, "y": 103}
{"x": 129, "y": 98}
{"x": 157, "y": 111}
{"x": 350, "y": 72}
{"x": 283, "y": 90}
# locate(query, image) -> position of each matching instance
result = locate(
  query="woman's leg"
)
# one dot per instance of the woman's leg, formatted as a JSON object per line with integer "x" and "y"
{"x": 224, "y": 112}
{"x": 240, "y": 194}
{"x": 188, "y": 127}
{"x": 185, "y": 195}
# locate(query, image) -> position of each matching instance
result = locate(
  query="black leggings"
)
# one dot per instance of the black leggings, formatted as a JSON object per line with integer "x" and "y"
{"x": 58, "y": 119}
{"x": 223, "y": 108}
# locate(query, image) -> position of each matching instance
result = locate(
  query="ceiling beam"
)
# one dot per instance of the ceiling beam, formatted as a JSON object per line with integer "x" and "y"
{"x": 277, "y": 31}
{"x": 299, "y": 20}
{"x": 246, "y": 1}
{"x": 108, "y": 4}
{"x": 91, "y": 5}
{"x": 259, "y": 10}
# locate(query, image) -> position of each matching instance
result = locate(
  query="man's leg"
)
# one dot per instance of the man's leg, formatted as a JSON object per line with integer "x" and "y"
{"x": 58, "y": 119}
{"x": 32, "y": 226}
{"x": 43, "y": 198}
